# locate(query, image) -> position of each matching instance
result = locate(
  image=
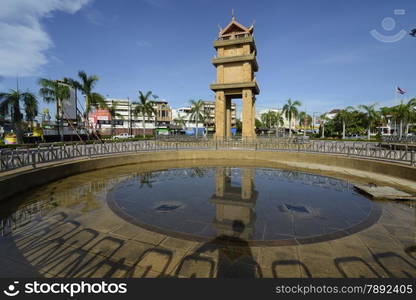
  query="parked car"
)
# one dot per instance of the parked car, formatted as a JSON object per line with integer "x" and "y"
{"x": 122, "y": 136}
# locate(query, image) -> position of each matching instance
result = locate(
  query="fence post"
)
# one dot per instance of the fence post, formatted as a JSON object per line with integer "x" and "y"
{"x": 412, "y": 158}
{"x": 34, "y": 159}
{"x": 89, "y": 152}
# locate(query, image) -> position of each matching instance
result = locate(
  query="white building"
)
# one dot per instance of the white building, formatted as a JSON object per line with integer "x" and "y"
{"x": 124, "y": 120}
{"x": 209, "y": 116}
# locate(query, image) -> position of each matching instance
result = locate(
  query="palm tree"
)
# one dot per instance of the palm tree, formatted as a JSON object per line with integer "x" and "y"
{"x": 155, "y": 98}
{"x": 31, "y": 109}
{"x": 412, "y": 113}
{"x": 268, "y": 118}
{"x": 196, "y": 113}
{"x": 304, "y": 119}
{"x": 323, "y": 118}
{"x": 86, "y": 85}
{"x": 144, "y": 107}
{"x": 402, "y": 112}
{"x": 52, "y": 91}
{"x": 113, "y": 113}
{"x": 386, "y": 113}
{"x": 290, "y": 110}
{"x": 372, "y": 116}
{"x": 279, "y": 121}
{"x": 345, "y": 116}
{"x": 10, "y": 104}
{"x": 180, "y": 121}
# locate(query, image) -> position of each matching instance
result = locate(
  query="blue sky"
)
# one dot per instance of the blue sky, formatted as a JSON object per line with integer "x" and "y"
{"x": 320, "y": 52}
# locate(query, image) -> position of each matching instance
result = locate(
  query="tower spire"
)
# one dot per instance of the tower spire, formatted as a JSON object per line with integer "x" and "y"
{"x": 232, "y": 15}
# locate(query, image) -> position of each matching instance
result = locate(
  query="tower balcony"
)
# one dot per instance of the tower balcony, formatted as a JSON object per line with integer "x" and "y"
{"x": 236, "y": 86}
{"x": 241, "y": 58}
{"x": 246, "y": 39}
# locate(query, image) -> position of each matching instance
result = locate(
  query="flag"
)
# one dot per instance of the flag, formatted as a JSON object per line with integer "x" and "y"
{"x": 400, "y": 91}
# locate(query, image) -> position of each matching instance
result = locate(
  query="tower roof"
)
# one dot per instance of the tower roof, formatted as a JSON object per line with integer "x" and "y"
{"x": 235, "y": 28}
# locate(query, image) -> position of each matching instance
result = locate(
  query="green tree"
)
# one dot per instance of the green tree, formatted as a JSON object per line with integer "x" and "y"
{"x": 268, "y": 119}
{"x": 197, "y": 112}
{"x": 345, "y": 116}
{"x": 52, "y": 91}
{"x": 279, "y": 121}
{"x": 323, "y": 119}
{"x": 372, "y": 116}
{"x": 180, "y": 121}
{"x": 290, "y": 110}
{"x": 31, "y": 109}
{"x": 144, "y": 107}
{"x": 238, "y": 125}
{"x": 304, "y": 121}
{"x": 10, "y": 105}
{"x": 86, "y": 86}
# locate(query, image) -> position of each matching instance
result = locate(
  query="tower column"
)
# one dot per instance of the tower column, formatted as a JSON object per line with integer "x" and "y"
{"x": 254, "y": 115}
{"x": 248, "y": 117}
{"x": 228, "y": 118}
{"x": 220, "y": 182}
{"x": 247, "y": 185}
{"x": 220, "y": 115}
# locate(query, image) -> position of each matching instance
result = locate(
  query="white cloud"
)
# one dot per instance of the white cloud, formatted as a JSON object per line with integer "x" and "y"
{"x": 23, "y": 41}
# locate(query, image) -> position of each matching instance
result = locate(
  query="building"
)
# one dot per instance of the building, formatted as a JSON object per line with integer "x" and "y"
{"x": 209, "y": 111}
{"x": 333, "y": 113}
{"x": 163, "y": 113}
{"x": 184, "y": 113}
{"x": 125, "y": 121}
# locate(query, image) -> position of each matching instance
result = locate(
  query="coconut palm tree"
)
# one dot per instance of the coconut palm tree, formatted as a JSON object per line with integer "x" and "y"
{"x": 304, "y": 119}
{"x": 345, "y": 116}
{"x": 52, "y": 91}
{"x": 86, "y": 86}
{"x": 290, "y": 110}
{"x": 196, "y": 113}
{"x": 180, "y": 121}
{"x": 372, "y": 116}
{"x": 10, "y": 105}
{"x": 323, "y": 118}
{"x": 279, "y": 121}
{"x": 155, "y": 99}
{"x": 31, "y": 110}
{"x": 144, "y": 107}
{"x": 112, "y": 110}
{"x": 402, "y": 112}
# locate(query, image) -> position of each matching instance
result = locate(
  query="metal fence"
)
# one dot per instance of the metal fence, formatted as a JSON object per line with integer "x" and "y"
{"x": 16, "y": 158}
{"x": 397, "y": 139}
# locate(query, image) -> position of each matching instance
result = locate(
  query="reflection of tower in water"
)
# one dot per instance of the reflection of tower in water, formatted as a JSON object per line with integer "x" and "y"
{"x": 234, "y": 203}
